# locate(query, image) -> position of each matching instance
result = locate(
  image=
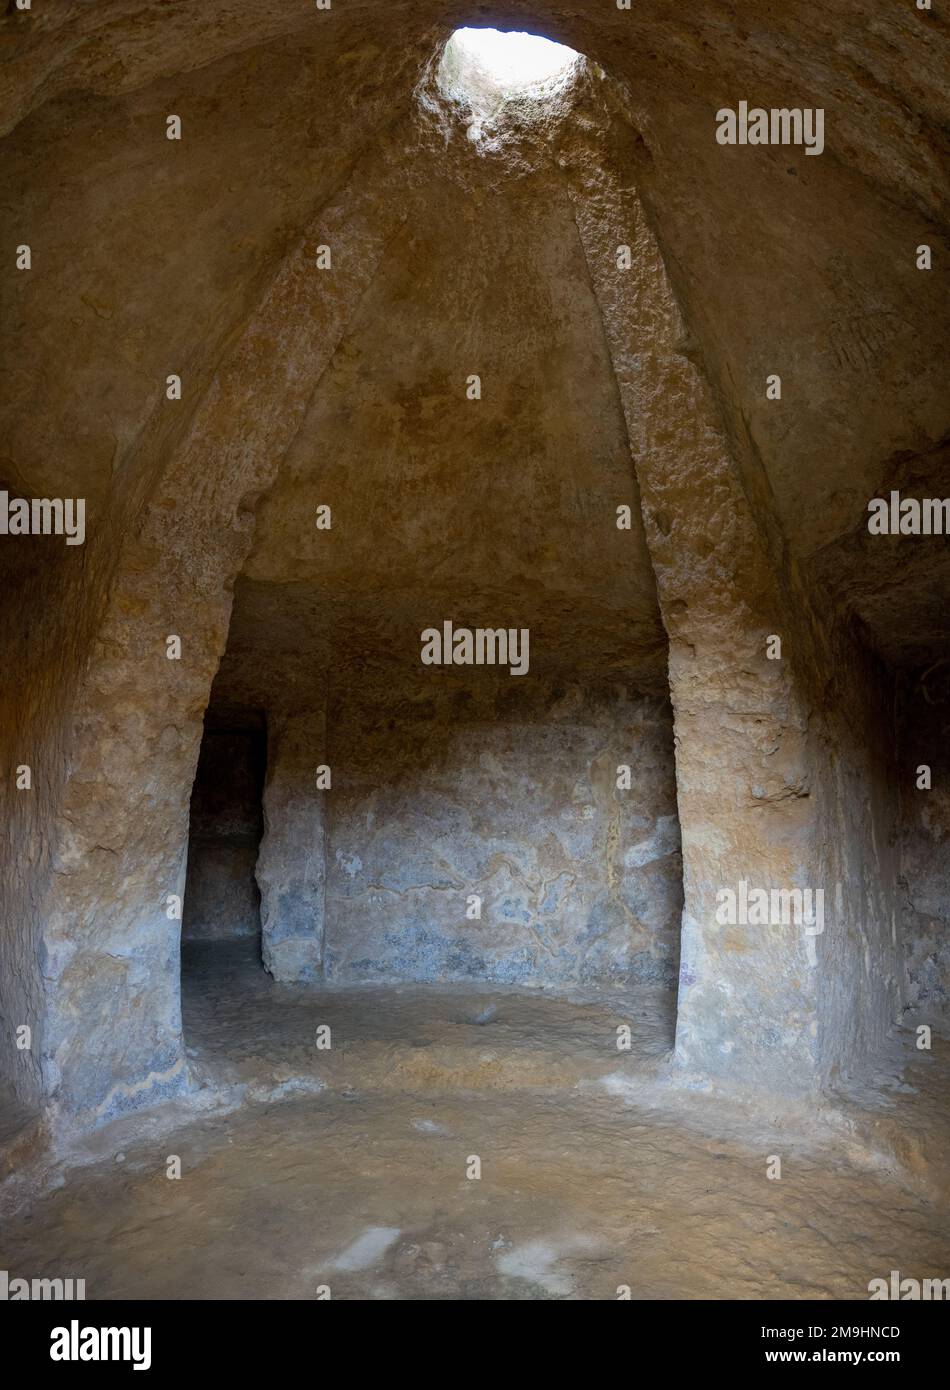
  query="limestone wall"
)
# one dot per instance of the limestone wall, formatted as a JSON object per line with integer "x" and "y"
{"x": 512, "y": 796}
{"x": 925, "y": 842}
{"x": 291, "y": 868}
{"x": 199, "y": 258}
{"x": 784, "y": 725}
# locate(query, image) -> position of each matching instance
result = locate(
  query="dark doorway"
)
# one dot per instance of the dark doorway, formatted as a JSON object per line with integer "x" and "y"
{"x": 222, "y": 900}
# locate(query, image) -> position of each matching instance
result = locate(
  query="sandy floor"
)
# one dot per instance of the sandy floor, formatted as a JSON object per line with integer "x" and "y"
{"x": 240, "y": 1027}
{"x": 363, "y": 1186}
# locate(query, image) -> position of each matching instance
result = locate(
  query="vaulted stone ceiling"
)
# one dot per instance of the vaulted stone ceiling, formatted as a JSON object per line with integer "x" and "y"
{"x": 498, "y": 511}
{"x": 149, "y": 256}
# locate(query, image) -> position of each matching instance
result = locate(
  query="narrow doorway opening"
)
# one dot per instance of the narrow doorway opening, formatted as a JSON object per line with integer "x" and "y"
{"x": 222, "y": 900}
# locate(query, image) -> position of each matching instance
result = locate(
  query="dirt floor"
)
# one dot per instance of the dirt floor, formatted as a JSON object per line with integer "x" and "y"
{"x": 350, "y": 1169}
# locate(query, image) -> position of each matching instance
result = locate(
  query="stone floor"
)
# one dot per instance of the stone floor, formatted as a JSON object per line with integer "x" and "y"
{"x": 348, "y": 1169}
{"x": 242, "y": 1028}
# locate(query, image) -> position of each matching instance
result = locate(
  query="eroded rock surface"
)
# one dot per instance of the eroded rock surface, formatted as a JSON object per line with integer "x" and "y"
{"x": 475, "y": 243}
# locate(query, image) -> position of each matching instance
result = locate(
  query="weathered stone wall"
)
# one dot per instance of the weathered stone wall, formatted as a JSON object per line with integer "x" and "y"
{"x": 32, "y": 677}
{"x": 165, "y": 565}
{"x": 291, "y": 867}
{"x": 784, "y": 753}
{"x": 89, "y": 959}
{"x": 225, "y": 826}
{"x": 853, "y": 785}
{"x": 510, "y": 794}
{"x": 152, "y": 257}
{"x": 924, "y": 707}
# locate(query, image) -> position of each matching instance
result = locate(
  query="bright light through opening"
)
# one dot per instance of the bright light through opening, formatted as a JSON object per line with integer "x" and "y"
{"x": 512, "y": 60}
